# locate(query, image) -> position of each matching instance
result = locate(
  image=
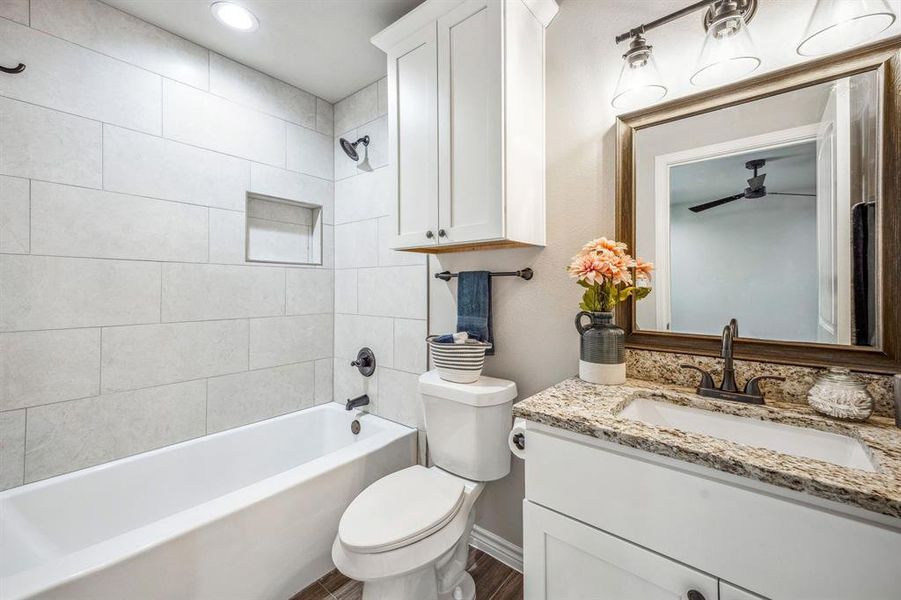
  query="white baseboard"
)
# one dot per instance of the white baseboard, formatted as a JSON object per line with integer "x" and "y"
{"x": 496, "y": 547}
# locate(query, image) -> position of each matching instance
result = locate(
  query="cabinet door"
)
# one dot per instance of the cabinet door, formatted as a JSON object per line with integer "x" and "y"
{"x": 413, "y": 134}
{"x": 730, "y": 592}
{"x": 470, "y": 128}
{"x": 565, "y": 559}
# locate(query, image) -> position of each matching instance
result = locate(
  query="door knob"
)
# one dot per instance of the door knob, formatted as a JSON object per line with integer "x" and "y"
{"x": 694, "y": 595}
{"x": 429, "y": 234}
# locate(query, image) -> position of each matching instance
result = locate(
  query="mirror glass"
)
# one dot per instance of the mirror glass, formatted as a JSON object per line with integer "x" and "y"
{"x": 766, "y": 212}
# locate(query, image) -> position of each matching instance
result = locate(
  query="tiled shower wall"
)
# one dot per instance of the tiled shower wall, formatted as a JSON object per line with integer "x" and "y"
{"x": 129, "y": 319}
{"x": 380, "y": 295}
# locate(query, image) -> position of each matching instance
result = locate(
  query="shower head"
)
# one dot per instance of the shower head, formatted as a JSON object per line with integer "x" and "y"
{"x": 350, "y": 148}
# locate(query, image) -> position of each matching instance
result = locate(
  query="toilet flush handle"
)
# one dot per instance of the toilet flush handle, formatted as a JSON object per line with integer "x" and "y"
{"x": 519, "y": 440}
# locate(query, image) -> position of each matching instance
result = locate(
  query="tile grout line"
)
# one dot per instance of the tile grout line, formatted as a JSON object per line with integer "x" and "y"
{"x": 163, "y": 77}
{"x": 161, "y": 137}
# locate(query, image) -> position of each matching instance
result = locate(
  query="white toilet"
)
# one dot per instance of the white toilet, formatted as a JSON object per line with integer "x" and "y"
{"x": 406, "y": 536}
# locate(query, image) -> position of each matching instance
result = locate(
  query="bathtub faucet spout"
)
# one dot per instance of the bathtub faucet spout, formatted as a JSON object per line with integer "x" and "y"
{"x": 353, "y": 403}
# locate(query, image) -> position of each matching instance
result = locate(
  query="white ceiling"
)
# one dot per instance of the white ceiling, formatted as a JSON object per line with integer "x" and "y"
{"x": 321, "y": 46}
{"x": 788, "y": 169}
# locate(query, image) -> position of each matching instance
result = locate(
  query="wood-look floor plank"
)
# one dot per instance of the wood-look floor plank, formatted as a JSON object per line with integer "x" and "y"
{"x": 510, "y": 589}
{"x": 494, "y": 581}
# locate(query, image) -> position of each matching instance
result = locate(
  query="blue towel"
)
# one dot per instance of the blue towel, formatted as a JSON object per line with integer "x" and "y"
{"x": 474, "y": 306}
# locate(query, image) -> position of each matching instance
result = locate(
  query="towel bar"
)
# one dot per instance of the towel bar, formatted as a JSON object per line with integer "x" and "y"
{"x": 526, "y": 274}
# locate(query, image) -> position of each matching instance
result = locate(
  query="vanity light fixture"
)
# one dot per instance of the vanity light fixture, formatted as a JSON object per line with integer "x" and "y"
{"x": 639, "y": 82}
{"x": 839, "y": 24}
{"x": 728, "y": 52}
{"x": 234, "y": 16}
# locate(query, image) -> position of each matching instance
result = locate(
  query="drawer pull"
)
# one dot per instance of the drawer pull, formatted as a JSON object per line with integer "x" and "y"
{"x": 694, "y": 595}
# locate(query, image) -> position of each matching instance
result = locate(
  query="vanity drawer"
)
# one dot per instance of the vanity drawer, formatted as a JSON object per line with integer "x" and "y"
{"x": 776, "y": 547}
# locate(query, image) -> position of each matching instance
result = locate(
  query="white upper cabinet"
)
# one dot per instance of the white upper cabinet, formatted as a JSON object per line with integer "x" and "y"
{"x": 466, "y": 123}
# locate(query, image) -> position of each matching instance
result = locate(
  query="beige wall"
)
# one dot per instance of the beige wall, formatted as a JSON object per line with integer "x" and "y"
{"x": 537, "y": 345}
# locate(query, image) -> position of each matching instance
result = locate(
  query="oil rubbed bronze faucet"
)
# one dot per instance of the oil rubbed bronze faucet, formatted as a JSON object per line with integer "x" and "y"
{"x": 728, "y": 389}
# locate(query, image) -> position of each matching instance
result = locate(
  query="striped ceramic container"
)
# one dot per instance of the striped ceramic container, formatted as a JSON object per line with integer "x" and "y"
{"x": 460, "y": 363}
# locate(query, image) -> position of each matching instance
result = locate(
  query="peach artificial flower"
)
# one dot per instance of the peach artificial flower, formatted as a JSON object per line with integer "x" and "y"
{"x": 601, "y": 244}
{"x": 588, "y": 268}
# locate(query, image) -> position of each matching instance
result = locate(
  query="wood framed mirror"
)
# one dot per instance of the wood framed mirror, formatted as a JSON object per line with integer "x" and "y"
{"x": 777, "y": 201}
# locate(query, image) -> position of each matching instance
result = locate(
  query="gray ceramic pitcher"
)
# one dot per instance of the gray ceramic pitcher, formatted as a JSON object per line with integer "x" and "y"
{"x": 602, "y": 349}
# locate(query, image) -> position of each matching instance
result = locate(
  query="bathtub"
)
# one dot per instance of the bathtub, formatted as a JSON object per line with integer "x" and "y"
{"x": 244, "y": 514}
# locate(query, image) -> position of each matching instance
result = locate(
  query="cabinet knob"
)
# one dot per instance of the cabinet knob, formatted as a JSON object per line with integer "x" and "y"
{"x": 429, "y": 234}
{"x": 694, "y": 595}
{"x": 442, "y": 233}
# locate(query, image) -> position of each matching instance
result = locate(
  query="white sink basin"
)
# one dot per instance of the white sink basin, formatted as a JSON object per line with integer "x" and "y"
{"x": 798, "y": 441}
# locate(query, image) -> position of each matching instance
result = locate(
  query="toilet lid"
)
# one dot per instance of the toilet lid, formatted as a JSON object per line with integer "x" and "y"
{"x": 400, "y": 509}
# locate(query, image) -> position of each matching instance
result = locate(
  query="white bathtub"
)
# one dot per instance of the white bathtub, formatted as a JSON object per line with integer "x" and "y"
{"x": 245, "y": 514}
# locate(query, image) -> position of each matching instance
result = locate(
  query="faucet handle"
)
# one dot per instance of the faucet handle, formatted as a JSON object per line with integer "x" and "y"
{"x": 706, "y": 378}
{"x": 752, "y": 388}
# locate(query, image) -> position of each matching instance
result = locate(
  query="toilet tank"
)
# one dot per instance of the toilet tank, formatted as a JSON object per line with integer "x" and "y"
{"x": 467, "y": 425}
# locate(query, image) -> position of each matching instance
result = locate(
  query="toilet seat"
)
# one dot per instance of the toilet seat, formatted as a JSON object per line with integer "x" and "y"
{"x": 400, "y": 509}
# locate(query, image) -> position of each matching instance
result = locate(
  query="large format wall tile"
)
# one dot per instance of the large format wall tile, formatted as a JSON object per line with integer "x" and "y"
{"x": 145, "y": 165}
{"x": 357, "y": 244}
{"x": 39, "y": 367}
{"x": 252, "y": 396}
{"x": 357, "y": 109}
{"x": 399, "y": 398}
{"x": 12, "y": 449}
{"x": 124, "y": 37}
{"x": 207, "y": 292}
{"x": 201, "y": 119}
{"x": 353, "y": 332}
{"x": 310, "y": 152}
{"x": 72, "y": 221}
{"x": 244, "y": 85}
{"x": 14, "y": 10}
{"x": 363, "y": 196}
{"x": 309, "y": 291}
{"x": 297, "y": 187}
{"x": 346, "y": 291}
{"x": 392, "y": 292}
{"x": 383, "y": 95}
{"x": 285, "y": 340}
{"x": 54, "y": 293}
{"x": 146, "y": 355}
{"x": 69, "y": 78}
{"x": 227, "y": 237}
{"x": 39, "y": 143}
{"x": 73, "y": 435}
{"x": 325, "y": 117}
{"x": 409, "y": 345}
{"x": 14, "y": 215}
{"x": 325, "y": 380}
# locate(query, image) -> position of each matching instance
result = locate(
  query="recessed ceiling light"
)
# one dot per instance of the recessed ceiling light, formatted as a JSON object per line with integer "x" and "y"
{"x": 234, "y": 16}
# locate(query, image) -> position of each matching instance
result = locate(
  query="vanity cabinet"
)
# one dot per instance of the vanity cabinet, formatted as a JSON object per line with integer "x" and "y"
{"x": 605, "y": 521}
{"x": 466, "y": 124}
{"x": 568, "y": 559}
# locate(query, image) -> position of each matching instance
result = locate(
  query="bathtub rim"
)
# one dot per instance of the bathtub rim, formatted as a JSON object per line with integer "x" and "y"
{"x": 85, "y": 561}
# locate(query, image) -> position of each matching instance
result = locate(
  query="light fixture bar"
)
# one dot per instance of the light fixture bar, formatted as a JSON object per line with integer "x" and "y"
{"x": 664, "y": 20}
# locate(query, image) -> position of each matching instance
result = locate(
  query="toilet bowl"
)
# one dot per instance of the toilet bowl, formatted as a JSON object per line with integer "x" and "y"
{"x": 406, "y": 536}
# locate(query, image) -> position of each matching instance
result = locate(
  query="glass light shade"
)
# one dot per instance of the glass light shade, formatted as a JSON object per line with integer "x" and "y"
{"x": 234, "y": 16}
{"x": 728, "y": 53}
{"x": 839, "y": 24}
{"x": 638, "y": 85}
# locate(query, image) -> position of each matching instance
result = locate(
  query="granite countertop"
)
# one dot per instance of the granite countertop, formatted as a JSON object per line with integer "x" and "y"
{"x": 593, "y": 410}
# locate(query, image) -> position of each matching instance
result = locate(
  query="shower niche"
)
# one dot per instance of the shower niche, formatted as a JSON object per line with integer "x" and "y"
{"x": 282, "y": 231}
